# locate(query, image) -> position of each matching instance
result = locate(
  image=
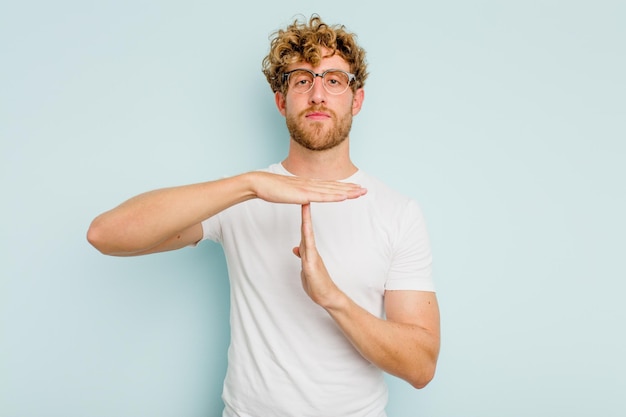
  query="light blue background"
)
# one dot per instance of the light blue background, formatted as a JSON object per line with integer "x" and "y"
{"x": 506, "y": 120}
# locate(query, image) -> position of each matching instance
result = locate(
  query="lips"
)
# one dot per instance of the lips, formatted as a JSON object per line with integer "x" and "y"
{"x": 317, "y": 115}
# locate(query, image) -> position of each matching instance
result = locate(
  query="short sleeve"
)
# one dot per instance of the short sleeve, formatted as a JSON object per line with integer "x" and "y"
{"x": 411, "y": 265}
{"x": 212, "y": 229}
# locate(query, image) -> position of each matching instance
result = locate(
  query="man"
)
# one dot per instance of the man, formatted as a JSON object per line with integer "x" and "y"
{"x": 311, "y": 334}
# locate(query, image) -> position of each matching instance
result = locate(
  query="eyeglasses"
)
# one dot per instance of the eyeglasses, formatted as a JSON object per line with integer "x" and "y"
{"x": 334, "y": 81}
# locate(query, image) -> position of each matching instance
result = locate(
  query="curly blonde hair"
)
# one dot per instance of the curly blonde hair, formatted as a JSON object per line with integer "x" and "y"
{"x": 302, "y": 42}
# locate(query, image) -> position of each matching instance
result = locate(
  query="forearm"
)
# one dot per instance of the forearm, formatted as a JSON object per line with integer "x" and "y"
{"x": 148, "y": 219}
{"x": 152, "y": 219}
{"x": 406, "y": 350}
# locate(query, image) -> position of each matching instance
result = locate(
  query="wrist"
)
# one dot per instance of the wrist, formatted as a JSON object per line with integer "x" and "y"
{"x": 336, "y": 302}
{"x": 247, "y": 184}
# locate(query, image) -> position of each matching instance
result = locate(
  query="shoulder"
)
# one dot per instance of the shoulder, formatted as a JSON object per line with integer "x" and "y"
{"x": 393, "y": 207}
{"x": 381, "y": 193}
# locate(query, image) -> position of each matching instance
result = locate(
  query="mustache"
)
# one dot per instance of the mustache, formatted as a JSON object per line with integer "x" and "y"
{"x": 314, "y": 109}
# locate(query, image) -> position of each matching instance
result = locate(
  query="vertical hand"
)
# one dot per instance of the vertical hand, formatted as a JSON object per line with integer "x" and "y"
{"x": 316, "y": 281}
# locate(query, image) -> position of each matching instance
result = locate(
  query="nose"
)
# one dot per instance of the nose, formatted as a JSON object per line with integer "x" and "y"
{"x": 317, "y": 94}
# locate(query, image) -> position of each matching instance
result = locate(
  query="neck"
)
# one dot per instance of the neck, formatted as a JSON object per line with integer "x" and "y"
{"x": 329, "y": 165}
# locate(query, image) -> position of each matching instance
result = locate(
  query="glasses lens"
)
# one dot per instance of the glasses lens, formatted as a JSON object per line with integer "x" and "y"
{"x": 300, "y": 81}
{"x": 336, "y": 82}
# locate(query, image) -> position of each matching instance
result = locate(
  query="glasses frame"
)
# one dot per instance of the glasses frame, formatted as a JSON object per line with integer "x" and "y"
{"x": 351, "y": 78}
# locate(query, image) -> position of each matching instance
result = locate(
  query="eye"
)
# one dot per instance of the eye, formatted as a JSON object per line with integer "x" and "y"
{"x": 301, "y": 78}
{"x": 336, "y": 78}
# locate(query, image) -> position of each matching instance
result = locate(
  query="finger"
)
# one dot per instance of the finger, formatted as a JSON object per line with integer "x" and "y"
{"x": 308, "y": 239}
{"x": 350, "y": 190}
{"x": 336, "y": 191}
{"x": 306, "y": 222}
{"x": 357, "y": 192}
{"x": 326, "y": 191}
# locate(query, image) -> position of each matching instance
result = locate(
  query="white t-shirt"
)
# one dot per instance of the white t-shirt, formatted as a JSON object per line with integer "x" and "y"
{"x": 287, "y": 357}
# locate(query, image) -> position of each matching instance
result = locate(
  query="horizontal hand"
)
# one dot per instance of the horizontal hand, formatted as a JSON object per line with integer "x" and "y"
{"x": 277, "y": 188}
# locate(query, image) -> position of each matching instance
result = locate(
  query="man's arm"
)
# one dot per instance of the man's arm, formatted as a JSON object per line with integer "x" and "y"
{"x": 406, "y": 344}
{"x": 170, "y": 218}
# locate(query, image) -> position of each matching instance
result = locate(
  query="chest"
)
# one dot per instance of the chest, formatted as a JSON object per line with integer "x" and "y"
{"x": 353, "y": 240}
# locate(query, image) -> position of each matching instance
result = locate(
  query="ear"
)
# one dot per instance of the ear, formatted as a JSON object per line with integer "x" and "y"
{"x": 279, "y": 98}
{"x": 357, "y": 101}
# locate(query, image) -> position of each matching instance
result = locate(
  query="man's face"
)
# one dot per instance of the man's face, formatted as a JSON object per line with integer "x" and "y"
{"x": 317, "y": 119}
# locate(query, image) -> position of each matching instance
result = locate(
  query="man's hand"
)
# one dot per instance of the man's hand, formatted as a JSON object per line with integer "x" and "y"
{"x": 276, "y": 188}
{"x": 316, "y": 281}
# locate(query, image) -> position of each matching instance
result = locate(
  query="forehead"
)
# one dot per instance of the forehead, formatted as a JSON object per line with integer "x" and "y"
{"x": 328, "y": 61}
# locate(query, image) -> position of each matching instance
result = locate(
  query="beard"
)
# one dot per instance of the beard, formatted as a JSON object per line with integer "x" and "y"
{"x": 316, "y": 136}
